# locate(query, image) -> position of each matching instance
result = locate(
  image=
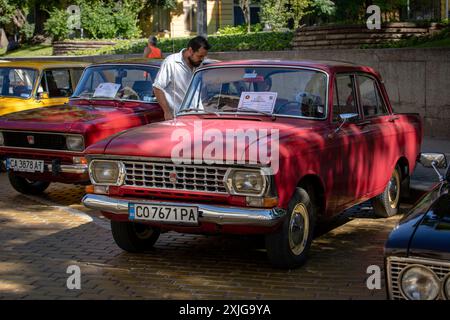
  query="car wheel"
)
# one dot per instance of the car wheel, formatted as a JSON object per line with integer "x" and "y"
{"x": 288, "y": 247}
{"x": 27, "y": 186}
{"x": 134, "y": 237}
{"x": 387, "y": 204}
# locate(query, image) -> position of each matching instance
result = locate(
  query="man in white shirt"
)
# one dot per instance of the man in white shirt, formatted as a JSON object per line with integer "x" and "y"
{"x": 175, "y": 74}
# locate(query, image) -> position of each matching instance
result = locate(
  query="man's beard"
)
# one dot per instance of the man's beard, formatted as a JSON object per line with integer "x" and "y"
{"x": 193, "y": 63}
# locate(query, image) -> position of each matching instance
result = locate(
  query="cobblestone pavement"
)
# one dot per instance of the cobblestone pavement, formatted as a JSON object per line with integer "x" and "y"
{"x": 41, "y": 236}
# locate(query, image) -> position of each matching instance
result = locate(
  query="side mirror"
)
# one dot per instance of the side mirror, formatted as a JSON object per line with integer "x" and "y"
{"x": 430, "y": 160}
{"x": 43, "y": 95}
{"x": 435, "y": 161}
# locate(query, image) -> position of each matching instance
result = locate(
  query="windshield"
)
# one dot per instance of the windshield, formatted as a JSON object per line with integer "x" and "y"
{"x": 264, "y": 90}
{"x": 17, "y": 82}
{"x": 117, "y": 82}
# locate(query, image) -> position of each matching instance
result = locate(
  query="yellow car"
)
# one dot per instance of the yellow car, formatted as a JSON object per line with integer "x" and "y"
{"x": 27, "y": 85}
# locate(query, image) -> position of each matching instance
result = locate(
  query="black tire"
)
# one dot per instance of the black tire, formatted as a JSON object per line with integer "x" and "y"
{"x": 26, "y": 186}
{"x": 387, "y": 203}
{"x": 134, "y": 237}
{"x": 286, "y": 248}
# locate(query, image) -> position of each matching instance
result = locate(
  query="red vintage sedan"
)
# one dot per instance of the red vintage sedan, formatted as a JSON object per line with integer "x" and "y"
{"x": 47, "y": 145}
{"x": 258, "y": 147}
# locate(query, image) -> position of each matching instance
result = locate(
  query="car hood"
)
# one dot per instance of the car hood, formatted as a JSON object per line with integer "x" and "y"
{"x": 166, "y": 139}
{"x": 63, "y": 118}
{"x": 431, "y": 238}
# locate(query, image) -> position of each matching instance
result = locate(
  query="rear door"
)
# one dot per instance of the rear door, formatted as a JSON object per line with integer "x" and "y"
{"x": 380, "y": 134}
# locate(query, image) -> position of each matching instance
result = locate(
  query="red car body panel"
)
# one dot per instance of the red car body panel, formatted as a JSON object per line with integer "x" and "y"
{"x": 351, "y": 165}
{"x": 94, "y": 119}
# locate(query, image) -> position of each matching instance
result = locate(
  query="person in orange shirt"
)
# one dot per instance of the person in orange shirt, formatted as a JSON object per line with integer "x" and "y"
{"x": 151, "y": 51}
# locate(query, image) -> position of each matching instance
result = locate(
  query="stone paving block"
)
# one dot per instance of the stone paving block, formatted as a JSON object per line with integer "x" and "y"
{"x": 40, "y": 241}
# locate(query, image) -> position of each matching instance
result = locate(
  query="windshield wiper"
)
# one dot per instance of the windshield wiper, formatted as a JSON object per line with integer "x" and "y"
{"x": 268, "y": 114}
{"x": 200, "y": 109}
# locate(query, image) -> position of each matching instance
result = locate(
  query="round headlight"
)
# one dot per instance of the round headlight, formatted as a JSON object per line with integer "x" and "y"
{"x": 106, "y": 172}
{"x": 247, "y": 182}
{"x": 447, "y": 288}
{"x": 75, "y": 143}
{"x": 2, "y": 140}
{"x": 419, "y": 283}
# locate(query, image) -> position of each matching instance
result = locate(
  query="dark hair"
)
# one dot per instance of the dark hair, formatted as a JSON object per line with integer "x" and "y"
{"x": 152, "y": 40}
{"x": 198, "y": 42}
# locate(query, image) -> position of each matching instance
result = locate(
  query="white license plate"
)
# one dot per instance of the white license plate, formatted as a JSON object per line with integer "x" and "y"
{"x": 25, "y": 165}
{"x": 160, "y": 213}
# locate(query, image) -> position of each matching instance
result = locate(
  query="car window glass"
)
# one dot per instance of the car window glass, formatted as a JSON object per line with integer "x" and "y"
{"x": 16, "y": 82}
{"x": 343, "y": 96}
{"x": 295, "y": 92}
{"x": 371, "y": 102}
{"x": 135, "y": 82}
{"x": 58, "y": 83}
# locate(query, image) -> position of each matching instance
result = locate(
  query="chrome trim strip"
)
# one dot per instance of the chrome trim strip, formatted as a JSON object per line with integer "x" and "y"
{"x": 222, "y": 215}
{"x": 92, "y": 157}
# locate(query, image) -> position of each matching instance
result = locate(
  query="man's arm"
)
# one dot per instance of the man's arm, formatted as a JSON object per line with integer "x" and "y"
{"x": 146, "y": 51}
{"x": 161, "y": 97}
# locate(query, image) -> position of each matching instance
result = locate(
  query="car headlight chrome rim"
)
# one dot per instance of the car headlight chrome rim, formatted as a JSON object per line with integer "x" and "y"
{"x": 418, "y": 282}
{"x": 75, "y": 143}
{"x": 105, "y": 172}
{"x": 447, "y": 287}
{"x": 246, "y": 182}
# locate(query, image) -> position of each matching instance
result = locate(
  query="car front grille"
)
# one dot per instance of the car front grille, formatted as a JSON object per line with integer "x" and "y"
{"x": 34, "y": 140}
{"x": 155, "y": 175}
{"x": 396, "y": 265}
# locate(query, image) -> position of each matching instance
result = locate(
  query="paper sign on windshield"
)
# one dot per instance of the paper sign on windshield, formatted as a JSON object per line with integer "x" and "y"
{"x": 261, "y": 101}
{"x": 106, "y": 90}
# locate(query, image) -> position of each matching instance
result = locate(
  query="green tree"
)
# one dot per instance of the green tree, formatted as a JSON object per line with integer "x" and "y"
{"x": 278, "y": 13}
{"x": 274, "y": 14}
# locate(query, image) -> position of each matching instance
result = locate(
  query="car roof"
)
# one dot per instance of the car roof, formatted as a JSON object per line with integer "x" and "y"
{"x": 150, "y": 62}
{"x": 42, "y": 64}
{"x": 325, "y": 65}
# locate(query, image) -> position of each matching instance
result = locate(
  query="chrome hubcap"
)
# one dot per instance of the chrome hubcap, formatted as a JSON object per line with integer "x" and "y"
{"x": 394, "y": 186}
{"x": 298, "y": 229}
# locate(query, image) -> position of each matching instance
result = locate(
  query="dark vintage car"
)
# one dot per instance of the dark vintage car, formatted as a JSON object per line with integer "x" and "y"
{"x": 258, "y": 147}
{"x": 47, "y": 145}
{"x": 418, "y": 249}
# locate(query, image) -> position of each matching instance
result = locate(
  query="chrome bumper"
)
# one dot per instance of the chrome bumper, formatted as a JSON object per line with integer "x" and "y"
{"x": 207, "y": 213}
{"x": 71, "y": 168}
{"x": 64, "y": 168}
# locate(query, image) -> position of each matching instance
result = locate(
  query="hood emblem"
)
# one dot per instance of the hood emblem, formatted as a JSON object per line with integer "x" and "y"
{"x": 173, "y": 177}
{"x": 30, "y": 139}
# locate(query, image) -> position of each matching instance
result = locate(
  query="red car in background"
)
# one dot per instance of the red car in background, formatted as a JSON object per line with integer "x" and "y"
{"x": 331, "y": 140}
{"x": 47, "y": 145}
